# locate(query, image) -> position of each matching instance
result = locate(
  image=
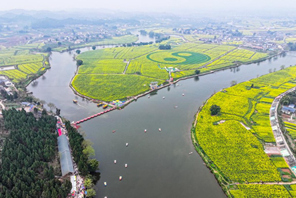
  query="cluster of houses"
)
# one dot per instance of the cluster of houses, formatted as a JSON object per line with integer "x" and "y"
{"x": 264, "y": 40}
{"x": 6, "y": 84}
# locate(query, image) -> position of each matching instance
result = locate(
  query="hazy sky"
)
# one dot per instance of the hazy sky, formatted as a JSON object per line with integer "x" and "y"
{"x": 150, "y": 5}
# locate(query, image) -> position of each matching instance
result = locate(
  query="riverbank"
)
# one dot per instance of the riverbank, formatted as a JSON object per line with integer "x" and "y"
{"x": 175, "y": 81}
{"x": 222, "y": 181}
{"x": 223, "y": 134}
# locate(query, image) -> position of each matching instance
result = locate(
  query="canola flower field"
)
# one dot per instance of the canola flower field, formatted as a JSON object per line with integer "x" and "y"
{"x": 22, "y": 62}
{"x": 151, "y": 64}
{"x": 237, "y": 151}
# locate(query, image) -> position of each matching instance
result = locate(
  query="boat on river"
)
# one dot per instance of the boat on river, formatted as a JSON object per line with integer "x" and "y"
{"x": 74, "y": 101}
{"x": 125, "y": 165}
{"x": 105, "y": 184}
{"x": 114, "y": 161}
{"x": 159, "y": 129}
{"x": 120, "y": 178}
{"x": 99, "y": 104}
{"x": 145, "y": 130}
{"x": 105, "y": 106}
{"x": 126, "y": 144}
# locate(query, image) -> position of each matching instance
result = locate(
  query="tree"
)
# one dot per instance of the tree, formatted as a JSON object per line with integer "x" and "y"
{"x": 215, "y": 109}
{"x": 232, "y": 83}
{"x": 93, "y": 47}
{"x": 58, "y": 111}
{"x": 91, "y": 192}
{"x": 78, "y": 51}
{"x": 88, "y": 151}
{"x": 164, "y": 47}
{"x": 197, "y": 71}
{"x": 93, "y": 165}
{"x": 44, "y": 112}
{"x": 51, "y": 105}
{"x": 88, "y": 183}
{"x": 79, "y": 62}
{"x": 35, "y": 110}
{"x": 48, "y": 49}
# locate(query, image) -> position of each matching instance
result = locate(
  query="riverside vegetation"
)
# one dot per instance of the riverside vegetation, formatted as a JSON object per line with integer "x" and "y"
{"x": 231, "y": 142}
{"x": 117, "y": 73}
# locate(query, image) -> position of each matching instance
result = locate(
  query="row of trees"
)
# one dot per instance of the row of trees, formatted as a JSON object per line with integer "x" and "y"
{"x": 137, "y": 44}
{"x": 7, "y": 96}
{"x": 164, "y": 47}
{"x": 25, "y": 171}
{"x": 82, "y": 152}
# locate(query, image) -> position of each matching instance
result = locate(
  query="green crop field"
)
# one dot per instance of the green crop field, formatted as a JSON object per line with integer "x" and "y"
{"x": 121, "y": 86}
{"x": 255, "y": 190}
{"x": 148, "y": 61}
{"x": 25, "y": 62}
{"x": 291, "y": 128}
{"x": 236, "y": 151}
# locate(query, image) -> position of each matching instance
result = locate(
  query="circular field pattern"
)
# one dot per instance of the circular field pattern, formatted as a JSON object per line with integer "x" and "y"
{"x": 170, "y": 59}
{"x": 182, "y": 57}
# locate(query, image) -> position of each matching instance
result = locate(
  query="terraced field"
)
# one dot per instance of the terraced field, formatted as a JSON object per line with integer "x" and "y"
{"x": 237, "y": 152}
{"x": 151, "y": 63}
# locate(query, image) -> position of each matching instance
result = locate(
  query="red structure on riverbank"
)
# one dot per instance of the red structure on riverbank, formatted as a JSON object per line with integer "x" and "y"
{"x": 93, "y": 116}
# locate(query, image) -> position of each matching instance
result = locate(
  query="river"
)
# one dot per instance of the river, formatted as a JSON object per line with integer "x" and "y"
{"x": 159, "y": 164}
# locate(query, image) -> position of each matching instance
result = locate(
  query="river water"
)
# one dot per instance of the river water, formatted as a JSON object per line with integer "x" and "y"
{"x": 159, "y": 164}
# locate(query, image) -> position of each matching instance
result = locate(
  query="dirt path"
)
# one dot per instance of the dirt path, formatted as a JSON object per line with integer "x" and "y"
{"x": 127, "y": 64}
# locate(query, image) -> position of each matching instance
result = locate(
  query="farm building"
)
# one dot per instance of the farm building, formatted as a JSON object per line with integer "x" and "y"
{"x": 153, "y": 85}
{"x": 65, "y": 156}
{"x": 288, "y": 110}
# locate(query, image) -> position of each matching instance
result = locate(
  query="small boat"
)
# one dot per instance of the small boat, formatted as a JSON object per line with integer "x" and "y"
{"x": 183, "y": 94}
{"x": 105, "y": 184}
{"x": 120, "y": 178}
{"x": 125, "y": 165}
{"x": 99, "y": 104}
{"x": 159, "y": 129}
{"x": 114, "y": 161}
{"x": 126, "y": 144}
{"x": 145, "y": 130}
{"x": 148, "y": 96}
{"x": 190, "y": 153}
{"x": 113, "y": 131}
{"x": 74, "y": 101}
{"x": 163, "y": 97}
{"x": 105, "y": 106}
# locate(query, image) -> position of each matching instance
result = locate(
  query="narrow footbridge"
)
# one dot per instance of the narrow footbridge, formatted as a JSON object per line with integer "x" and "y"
{"x": 93, "y": 116}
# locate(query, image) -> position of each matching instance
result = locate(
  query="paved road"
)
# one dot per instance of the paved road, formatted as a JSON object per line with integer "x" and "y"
{"x": 291, "y": 161}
